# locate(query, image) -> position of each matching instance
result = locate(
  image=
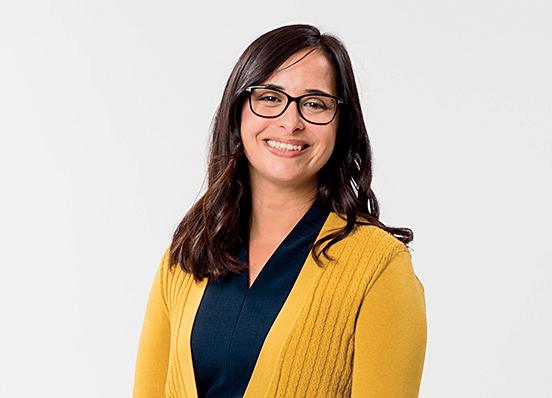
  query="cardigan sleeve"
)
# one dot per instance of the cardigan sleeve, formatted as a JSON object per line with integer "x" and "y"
{"x": 153, "y": 350}
{"x": 390, "y": 334}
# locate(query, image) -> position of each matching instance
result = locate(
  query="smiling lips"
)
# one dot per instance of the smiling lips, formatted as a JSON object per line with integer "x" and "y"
{"x": 286, "y": 145}
{"x": 286, "y": 149}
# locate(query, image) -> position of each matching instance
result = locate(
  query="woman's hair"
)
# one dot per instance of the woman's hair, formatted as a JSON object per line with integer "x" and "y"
{"x": 207, "y": 240}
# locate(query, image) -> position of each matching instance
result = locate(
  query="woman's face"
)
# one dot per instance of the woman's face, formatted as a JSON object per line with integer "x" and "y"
{"x": 292, "y": 168}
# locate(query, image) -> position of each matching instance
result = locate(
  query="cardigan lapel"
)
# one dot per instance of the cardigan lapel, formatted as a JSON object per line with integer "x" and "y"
{"x": 190, "y": 308}
{"x": 283, "y": 324}
{"x": 278, "y": 333}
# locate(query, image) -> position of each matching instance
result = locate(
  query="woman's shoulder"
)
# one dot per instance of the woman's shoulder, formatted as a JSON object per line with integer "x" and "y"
{"x": 361, "y": 258}
{"x": 365, "y": 236}
{"x": 172, "y": 274}
{"x": 367, "y": 250}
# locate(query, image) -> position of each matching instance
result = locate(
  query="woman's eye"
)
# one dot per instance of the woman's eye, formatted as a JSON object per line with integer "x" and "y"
{"x": 315, "y": 105}
{"x": 269, "y": 98}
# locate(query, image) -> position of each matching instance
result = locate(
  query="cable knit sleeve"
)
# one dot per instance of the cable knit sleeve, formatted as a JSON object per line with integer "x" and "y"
{"x": 390, "y": 334}
{"x": 153, "y": 350}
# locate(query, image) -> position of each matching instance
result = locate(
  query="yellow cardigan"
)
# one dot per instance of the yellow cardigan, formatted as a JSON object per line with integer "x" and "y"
{"x": 355, "y": 328}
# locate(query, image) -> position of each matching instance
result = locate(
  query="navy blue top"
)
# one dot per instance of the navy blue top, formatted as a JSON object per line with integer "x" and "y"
{"x": 233, "y": 320}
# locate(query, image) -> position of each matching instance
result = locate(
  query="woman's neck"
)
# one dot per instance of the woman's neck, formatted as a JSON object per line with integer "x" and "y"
{"x": 276, "y": 210}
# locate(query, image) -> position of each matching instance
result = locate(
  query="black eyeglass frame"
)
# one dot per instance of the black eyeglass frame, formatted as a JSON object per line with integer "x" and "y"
{"x": 291, "y": 99}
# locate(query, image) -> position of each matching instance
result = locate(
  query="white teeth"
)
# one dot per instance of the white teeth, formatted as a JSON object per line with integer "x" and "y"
{"x": 285, "y": 147}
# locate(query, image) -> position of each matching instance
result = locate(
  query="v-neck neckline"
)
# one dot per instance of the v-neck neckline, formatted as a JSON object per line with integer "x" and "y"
{"x": 305, "y": 222}
{"x": 279, "y": 331}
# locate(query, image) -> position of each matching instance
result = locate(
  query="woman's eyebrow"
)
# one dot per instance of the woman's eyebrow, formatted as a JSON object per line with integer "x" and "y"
{"x": 307, "y": 90}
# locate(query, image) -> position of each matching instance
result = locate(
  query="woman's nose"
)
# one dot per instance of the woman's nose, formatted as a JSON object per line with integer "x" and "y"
{"x": 291, "y": 119}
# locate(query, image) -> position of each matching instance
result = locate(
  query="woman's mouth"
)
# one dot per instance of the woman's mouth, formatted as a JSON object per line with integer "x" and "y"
{"x": 285, "y": 150}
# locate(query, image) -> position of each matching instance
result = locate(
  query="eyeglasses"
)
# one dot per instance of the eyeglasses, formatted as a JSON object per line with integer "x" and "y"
{"x": 269, "y": 102}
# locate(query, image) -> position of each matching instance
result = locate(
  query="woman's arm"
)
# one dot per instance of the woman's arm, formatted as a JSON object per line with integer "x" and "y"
{"x": 390, "y": 334}
{"x": 153, "y": 350}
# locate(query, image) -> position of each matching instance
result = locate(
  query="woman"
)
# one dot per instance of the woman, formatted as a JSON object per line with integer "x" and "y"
{"x": 281, "y": 280}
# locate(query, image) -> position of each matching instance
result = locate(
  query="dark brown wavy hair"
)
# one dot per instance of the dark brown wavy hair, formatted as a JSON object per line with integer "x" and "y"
{"x": 206, "y": 242}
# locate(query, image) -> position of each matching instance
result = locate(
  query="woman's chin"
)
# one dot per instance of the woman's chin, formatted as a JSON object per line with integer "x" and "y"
{"x": 287, "y": 179}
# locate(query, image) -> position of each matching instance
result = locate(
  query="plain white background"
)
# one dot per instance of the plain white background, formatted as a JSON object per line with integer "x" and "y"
{"x": 105, "y": 110}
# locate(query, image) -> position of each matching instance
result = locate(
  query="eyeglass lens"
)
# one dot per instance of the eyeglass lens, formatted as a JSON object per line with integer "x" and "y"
{"x": 314, "y": 108}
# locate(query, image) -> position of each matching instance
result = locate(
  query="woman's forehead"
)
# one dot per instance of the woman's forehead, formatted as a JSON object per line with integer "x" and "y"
{"x": 305, "y": 70}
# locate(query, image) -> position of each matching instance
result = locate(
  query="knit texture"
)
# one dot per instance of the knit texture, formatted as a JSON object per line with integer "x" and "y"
{"x": 317, "y": 359}
{"x": 317, "y": 356}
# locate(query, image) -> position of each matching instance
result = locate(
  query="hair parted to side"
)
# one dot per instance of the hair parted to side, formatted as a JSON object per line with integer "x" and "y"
{"x": 206, "y": 242}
